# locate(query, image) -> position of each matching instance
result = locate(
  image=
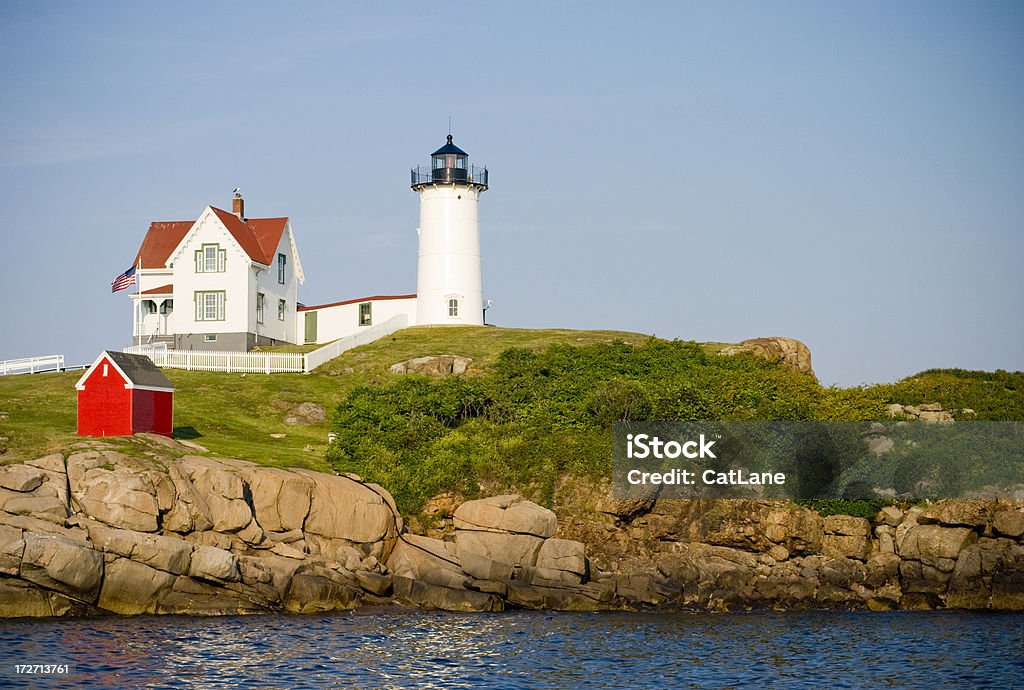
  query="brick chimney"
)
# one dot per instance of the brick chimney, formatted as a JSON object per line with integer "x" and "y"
{"x": 238, "y": 204}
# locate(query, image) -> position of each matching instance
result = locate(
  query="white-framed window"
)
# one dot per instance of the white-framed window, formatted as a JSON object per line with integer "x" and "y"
{"x": 210, "y": 338}
{"x": 260, "y": 301}
{"x": 281, "y": 261}
{"x": 366, "y": 314}
{"x": 209, "y": 305}
{"x": 211, "y": 259}
{"x": 453, "y": 307}
{"x": 282, "y": 307}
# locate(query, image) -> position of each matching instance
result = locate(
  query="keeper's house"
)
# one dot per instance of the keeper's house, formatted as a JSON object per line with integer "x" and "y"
{"x": 220, "y": 282}
{"x": 122, "y": 394}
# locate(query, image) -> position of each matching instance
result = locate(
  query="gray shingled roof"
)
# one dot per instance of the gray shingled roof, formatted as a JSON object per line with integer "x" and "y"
{"x": 140, "y": 370}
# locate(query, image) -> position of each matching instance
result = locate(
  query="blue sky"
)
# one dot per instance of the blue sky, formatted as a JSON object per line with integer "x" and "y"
{"x": 851, "y": 175}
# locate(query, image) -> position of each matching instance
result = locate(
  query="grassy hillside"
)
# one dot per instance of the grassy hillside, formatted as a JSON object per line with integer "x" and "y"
{"x": 235, "y": 414}
{"x": 535, "y": 406}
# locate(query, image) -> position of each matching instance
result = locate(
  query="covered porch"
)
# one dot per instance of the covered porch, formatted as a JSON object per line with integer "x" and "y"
{"x": 153, "y": 315}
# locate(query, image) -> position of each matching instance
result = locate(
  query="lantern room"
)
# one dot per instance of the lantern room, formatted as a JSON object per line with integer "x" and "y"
{"x": 449, "y": 165}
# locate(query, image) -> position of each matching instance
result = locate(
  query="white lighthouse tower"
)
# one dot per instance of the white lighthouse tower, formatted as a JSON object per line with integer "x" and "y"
{"x": 448, "y": 289}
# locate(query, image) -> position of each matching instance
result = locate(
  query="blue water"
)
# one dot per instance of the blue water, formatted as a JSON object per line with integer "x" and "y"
{"x": 400, "y": 648}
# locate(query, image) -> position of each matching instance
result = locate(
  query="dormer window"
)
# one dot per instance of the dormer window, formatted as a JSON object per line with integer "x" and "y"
{"x": 211, "y": 259}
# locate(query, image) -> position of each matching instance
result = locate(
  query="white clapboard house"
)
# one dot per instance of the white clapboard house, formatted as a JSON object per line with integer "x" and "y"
{"x": 220, "y": 282}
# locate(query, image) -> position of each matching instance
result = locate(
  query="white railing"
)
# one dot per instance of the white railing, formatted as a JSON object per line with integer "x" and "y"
{"x": 32, "y": 365}
{"x": 229, "y": 362}
{"x": 367, "y": 335}
{"x": 264, "y": 362}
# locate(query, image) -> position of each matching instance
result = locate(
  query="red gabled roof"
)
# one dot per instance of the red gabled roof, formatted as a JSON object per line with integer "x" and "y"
{"x": 160, "y": 241}
{"x": 375, "y": 298}
{"x": 258, "y": 237}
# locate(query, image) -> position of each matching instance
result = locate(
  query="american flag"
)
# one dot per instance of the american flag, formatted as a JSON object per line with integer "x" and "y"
{"x": 124, "y": 280}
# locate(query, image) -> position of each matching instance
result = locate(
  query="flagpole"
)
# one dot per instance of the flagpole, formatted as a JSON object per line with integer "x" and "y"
{"x": 138, "y": 299}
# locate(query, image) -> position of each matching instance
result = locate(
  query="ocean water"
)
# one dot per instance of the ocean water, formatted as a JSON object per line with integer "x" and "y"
{"x": 399, "y": 648}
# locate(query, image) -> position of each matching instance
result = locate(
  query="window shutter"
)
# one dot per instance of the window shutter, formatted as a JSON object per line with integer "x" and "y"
{"x": 198, "y": 302}
{"x": 222, "y": 257}
{"x": 199, "y": 261}
{"x": 220, "y": 306}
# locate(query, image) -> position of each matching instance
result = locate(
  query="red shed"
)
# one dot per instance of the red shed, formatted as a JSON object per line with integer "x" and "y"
{"x": 124, "y": 394}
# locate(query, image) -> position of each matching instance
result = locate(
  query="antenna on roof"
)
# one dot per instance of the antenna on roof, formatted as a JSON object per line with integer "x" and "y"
{"x": 449, "y": 125}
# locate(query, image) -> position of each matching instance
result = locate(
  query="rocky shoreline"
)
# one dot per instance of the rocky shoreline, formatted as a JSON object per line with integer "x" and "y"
{"x": 98, "y": 531}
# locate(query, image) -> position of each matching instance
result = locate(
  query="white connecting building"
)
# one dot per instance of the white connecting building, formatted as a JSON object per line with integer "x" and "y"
{"x": 228, "y": 282}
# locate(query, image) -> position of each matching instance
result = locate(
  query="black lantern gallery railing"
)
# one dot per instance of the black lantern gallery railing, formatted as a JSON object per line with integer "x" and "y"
{"x": 425, "y": 175}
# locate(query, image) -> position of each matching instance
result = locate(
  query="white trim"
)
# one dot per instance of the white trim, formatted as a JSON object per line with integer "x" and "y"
{"x": 124, "y": 377}
{"x": 205, "y": 216}
{"x": 299, "y": 274}
{"x": 153, "y": 388}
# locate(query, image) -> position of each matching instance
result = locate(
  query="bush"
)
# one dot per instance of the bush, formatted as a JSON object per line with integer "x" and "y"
{"x": 537, "y": 416}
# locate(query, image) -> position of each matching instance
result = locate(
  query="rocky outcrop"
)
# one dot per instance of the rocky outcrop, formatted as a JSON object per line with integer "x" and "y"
{"x": 100, "y": 530}
{"x": 925, "y": 412}
{"x": 786, "y": 352}
{"x": 103, "y": 531}
{"x": 433, "y": 365}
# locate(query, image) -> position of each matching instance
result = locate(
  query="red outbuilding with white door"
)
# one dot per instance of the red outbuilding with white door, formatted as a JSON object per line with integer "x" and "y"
{"x": 123, "y": 394}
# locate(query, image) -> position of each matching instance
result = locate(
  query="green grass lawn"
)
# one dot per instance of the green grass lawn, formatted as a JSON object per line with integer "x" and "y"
{"x": 235, "y": 414}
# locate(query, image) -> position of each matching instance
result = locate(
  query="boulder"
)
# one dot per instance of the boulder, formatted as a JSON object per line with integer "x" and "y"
{"x": 510, "y": 513}
{"x": 342, "y": 508}
{"x": 190, "y": 511}
{"x": 22, "y": 599}
{"x": 480, "y": 567}
{"x": 374, "y": 583}
{"x": 48, "y": 508}
{"x": 1009, "y": 523}
{"x": 844, "y": 546}
{"x": 131, "y": 588}
{"x": 889, "y": 515}
{"x": 166, "y": 553}
{"x": 563, "y": 554}
{"x": 320, "y": 590}
{"x": 432, "y": 365}
{"x": 431, "y": 596}
{"x": 194, "y": 597}
{"x": 223, "y": 491}
{"x": 280, "y": 498}
{"x": 51, "y": 464}
{"x": 786, "y": 352}
{"x": 22, "y": 478}
{"x": 591, "y": 597}
{"x": 118, "y": 496}
{"x": 514, "y": 549}
{"x": 12, "y": 547}
{"x": 306, "y": 413}
{"x": 847, "y": 525}
{"x": 961, "y": 513}
{"x": 63, "y": 565}
{"x": 936, "y": 546}
{"x": 426, "y": 559}
{"x": 211, "y": 563}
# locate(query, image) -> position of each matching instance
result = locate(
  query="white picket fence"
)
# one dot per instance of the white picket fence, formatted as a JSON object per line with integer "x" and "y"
{"x": 264, "y": 362}
{"x": 32, "y": 365}
{"x": 368, "y": 335}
